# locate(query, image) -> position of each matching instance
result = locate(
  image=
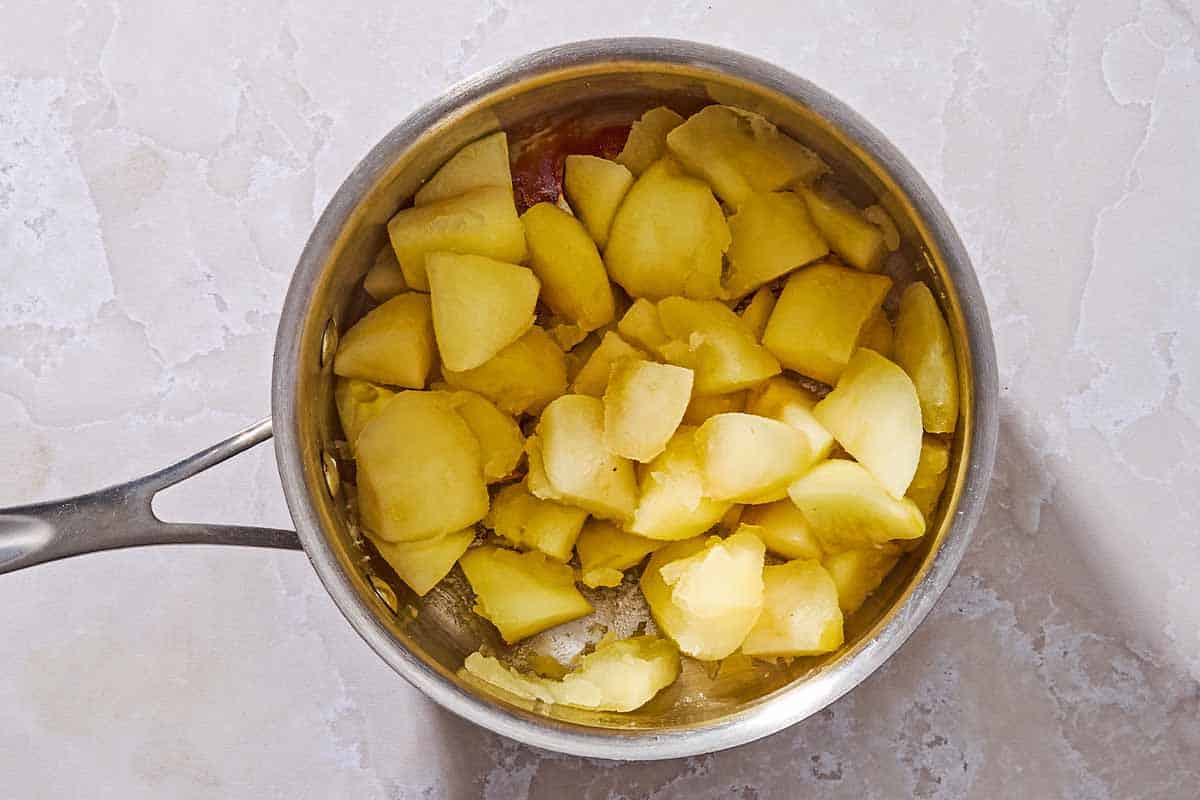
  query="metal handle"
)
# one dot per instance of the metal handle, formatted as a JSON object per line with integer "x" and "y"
{"x": 122, "y": 516}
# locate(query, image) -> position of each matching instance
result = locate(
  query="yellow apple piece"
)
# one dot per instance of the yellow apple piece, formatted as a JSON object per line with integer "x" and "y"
{"x": 672, "y": 504}
{"x": 531, "y": 523}
{"x": 704, "y": 406}
{"x": 850, "y": 234}
{"x": 878, "y": 335}
{"x": 592, "y": 378}
{"x": 522, "y": 593}
{"x": 481, "y": 222}
{"x": 709, "y": 338}
{"x": 749, "y": 459}
{"x": 858, "y": 573}
{"x": 358, "y": 402}
{"x": 564, "y": 257}
{"x": 739, "y": 152}
{"x": 874, "y": 414}
{"x": 567, "y": 335}
{"x": 595, "y": 187}
{"x": 522, "y": 377}
{"x": 621, "y": 675}
{"x": 420, "y": 472}
{"x": 924, "y": 349}
{"x": 392, "y": 344}
{"x": 605, "y": 552}
{"x": 647, "y": 140}
{"x": 668, "y": 237}
{"x": 500, "y": 440}
{"x": 480, "y": 306}
{"x": 783, "y": 529}
{"x": 643, "y": 405}
{"x": 706, "y": 595}
{"x": 820, "y": 316}
{"x": 421, "y": 564}
{"x": 848, "y": 509}
{"x": 577, "y": 464}
{"x": 771, "y": 236}
{"x": 641, "y": 326}
{"x": 758, "y": 311}
{"x": 788, "y": 402}
{"x": 732, "y": 519}
{"x": 535, "y": 476}
{"x": 800, "y": 615}
{"x": 384, "y": 280}
{"x": 481, "y": 163}
{"x": 933, "y": 468}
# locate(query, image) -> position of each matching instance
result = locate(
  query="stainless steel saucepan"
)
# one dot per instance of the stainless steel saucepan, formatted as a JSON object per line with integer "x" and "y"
{"x": 586, "y": 86}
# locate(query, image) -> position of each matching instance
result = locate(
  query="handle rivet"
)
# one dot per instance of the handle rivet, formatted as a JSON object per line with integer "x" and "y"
{"x": 329, "y": 344}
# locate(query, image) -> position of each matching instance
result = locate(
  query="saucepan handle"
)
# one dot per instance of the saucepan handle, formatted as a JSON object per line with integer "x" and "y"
{"x": 122, "y": 516}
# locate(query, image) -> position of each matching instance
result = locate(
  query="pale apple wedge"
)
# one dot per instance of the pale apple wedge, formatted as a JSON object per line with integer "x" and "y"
{"x": 800, "y": 615}
{"x": 480, "y": 306}
{"x": 874, "y": 414}
{"x": 522, "y": 593}
{"x": 706, "y": 595}
{"x": 848, "y": 509}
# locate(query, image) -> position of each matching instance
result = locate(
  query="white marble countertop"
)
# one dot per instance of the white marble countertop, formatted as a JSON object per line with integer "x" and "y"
{"x": 161, "y": 165}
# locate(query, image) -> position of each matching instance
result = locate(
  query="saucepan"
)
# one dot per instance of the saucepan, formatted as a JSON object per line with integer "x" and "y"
{"x": 582, "y": 87}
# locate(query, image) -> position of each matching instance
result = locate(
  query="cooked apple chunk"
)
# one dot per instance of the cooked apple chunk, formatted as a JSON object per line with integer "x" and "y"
{"x": 420, "y": 473}
{"x": 481, "y": 222}
{"x": 392, "y": 344}
{"x": 531, "y": 523}
{"x": 849, "y": 233}
{"x": 787, "y": 401}
{"x": 668, "y": 237}
{"x": 706, "y": 595}
{"x": 595, "y": 187}
{"x": 642, "y": 326}
{"x": 923, "y": 348}
{"x": 873, "y": 412}
{"x": 358, "y": 402}
{"x": 758, "y": 311}
{"x": 605, "y": 552}
{"x": 878, "y": 335}
{"x": 480, "y": 306}
{"x": 481, "y": 163}
{"x": 739, "y": 152}
{"x": 564, "y": 257}
{"x": 522, "y": 377}
{"x": 672, "y": 504}
{"x": 707, "y": 337}
{"x": 593, "y": 376}
{"x": 820, "y": 316}
{"x": 749, "y": 459}
{"x": 620, "y": 675}
{"x": 800, "y": 615}
{"x": 848, "y": 509}
{"x": 771, "y": 236}
{"x": 933, "y": 469}
{"x": 783, "y": 529}
{"x": 858, "y": 573}
{"x": 578, "y": 466}
{"x": 643, "y": 405}
{"x": 522, "y": 593}
{"x": 499, "y": 436}
{"x": 422, "y": 564}
{"x": 384, "y": 280}
{"x": 647, "y": 140}
{"x": 703, "y": 406}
